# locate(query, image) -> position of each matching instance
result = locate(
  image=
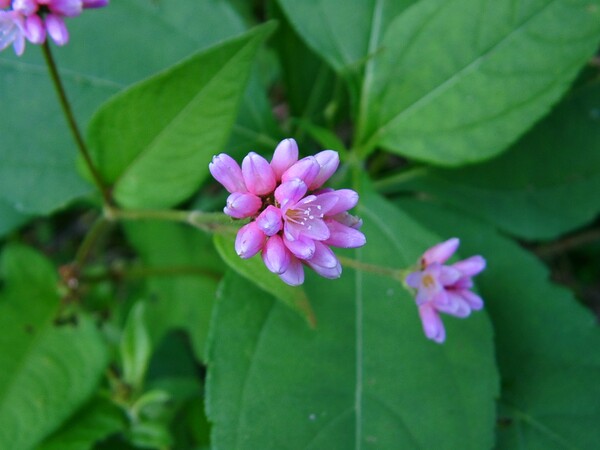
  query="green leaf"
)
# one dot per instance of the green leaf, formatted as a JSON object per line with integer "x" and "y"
{"x": 254, "y": 270}
{"x": 37, "y": 152}
{"x": 135, "y": 347}
{"x": 345, "y": 34}
{"x": 153, "y": 141}
{"x": 547, "y": 344}
{"x": 48, "y": 370}
{"x": 366, "y": 377}
{"x": 458, "y": 81}
{"x": 183, "y": 296}
{"x": 96, "y": 421}
{"x": 554, "y": 169}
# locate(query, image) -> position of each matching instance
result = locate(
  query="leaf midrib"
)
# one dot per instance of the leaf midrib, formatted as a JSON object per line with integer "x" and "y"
{"x": 178, "y": 117}
{"x": 442, "y": 87}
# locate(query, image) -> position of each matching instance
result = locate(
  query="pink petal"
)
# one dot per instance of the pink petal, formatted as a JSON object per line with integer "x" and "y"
{"x": 327, "y": 272}
{"x": 329, "y": 161}
{"x": 302, "y": 247}
{"x": 323, "y": 257}
{"x": 448, "y": 275}
{"x": 342, "y": 236}
{"x": 432, "y": 323}
{"x": 258, "y": 174}
{"x": 454, "y": 305}
{"x": 294, "y": 275}
{"x": 470, "y": 266}
{"x": 275, "y": 255}
{"x": 269, "y": 221}
{"x": 313, "y": 229}
{"x": 306, "y": 169}
{"x": 474, "y": 301}
{"x": 348, "y": 219}
{"x": 227, "y": 172}
{"x": 413, "y": 279}
{"x": 284, "y": 157}
{"x": 35, "y": 30}
{"x": 25, "y": 7}
{"x": 347, "y": 199}
{"x": 441, "y": 252}
{"x": 68, "y": 8}
{"x": 94, "y": 3}
{"x": 290, "y": 192}
{"x": 249, "y": 240}
{"x": 241, "y": 205}
{"x": 56, "y": 28}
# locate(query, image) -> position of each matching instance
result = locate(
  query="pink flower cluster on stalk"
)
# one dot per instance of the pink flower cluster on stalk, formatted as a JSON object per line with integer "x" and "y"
{"x": 34, "y": 19}
{"x": 294, "y": 220}
{"x": 444, "y": 288}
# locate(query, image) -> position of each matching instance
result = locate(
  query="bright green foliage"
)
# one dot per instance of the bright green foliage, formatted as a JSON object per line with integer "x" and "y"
{"x": 458, "y": 80}
{"x": 544, "y": 186}
{"x": 153, "y": 141}
{"x": 183, "y": 296}
{"x": 365, "y": 377}
{"x": 254, "y": 270}
{"x": 49, "y": 369}
{"x": 547, "y": 345}
{"x": 94, "y": 422}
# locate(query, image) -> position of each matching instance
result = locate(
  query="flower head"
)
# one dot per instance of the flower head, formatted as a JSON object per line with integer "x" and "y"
{"x": 294, "y": 221}
{"x": 444, "y": 288}
{"x": 35, "y": 19}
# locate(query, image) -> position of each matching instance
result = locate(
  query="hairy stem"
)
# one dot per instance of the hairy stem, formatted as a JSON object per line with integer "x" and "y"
{"x": 68, "y": 112}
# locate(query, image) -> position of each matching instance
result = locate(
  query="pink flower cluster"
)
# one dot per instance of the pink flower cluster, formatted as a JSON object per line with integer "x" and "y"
{"x": 294, "y": 220}
{"x": 34, "y": 19}
{"x": 444, "y": 288}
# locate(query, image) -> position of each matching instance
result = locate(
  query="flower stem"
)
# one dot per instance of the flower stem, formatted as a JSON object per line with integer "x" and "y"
{"x": 68, "y": 112}
{"x": 210, "y": 222}
{"x": 89, "y": 242}
{"x": 396, "y": 274}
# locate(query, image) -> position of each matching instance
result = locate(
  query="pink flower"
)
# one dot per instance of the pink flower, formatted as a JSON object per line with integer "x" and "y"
{"x": 444, "y": 288}
{"x": 12, "y": 31}
{"x": 35, "y": 19}
{"x": 293, "y": 221}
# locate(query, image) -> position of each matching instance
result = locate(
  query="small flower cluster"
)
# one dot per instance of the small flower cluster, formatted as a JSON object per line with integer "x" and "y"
{"x": 34, "y": 19}
{"x": 294, "y": 220}
{"x": 444, "y": 288}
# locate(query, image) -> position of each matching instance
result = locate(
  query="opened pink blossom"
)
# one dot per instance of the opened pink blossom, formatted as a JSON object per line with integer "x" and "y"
{"x": 293, "y": 221}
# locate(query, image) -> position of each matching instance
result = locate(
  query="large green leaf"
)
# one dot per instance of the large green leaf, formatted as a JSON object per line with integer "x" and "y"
{"x": 48, "y": 370}
{"x": 182, "y": 296}
{"x": 457, "y": 81}
{"x": 109, "y": 49}
{"x": 366, "y": 377}
{"x": 153, "y": 141}
{"x": 345, "y": 34}
{"x": 547, "y": 344}
{"x": 254, "y": 270}
{"x": 10, "y": 218}
{"x": 543, "y": 187}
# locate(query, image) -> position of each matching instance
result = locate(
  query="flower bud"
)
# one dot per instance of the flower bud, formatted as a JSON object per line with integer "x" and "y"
{"x": 306, "y": 170}
{"x": 258, "y": 174}
{"x": 329, "y": 161}
{"x": 269, "y": 221}
{"x": 249, "y": 240}
{"x": 285, "y": 155}
{"x": 275, "y": 255}
{"x": 227, "y": 172}
{"x": 242, "y": 204}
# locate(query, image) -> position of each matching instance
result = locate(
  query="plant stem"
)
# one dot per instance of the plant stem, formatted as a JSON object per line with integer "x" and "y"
{"x": 68, "y": 112}
{"x": 397, "y": 274}
{"x": 210, "y": 222}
